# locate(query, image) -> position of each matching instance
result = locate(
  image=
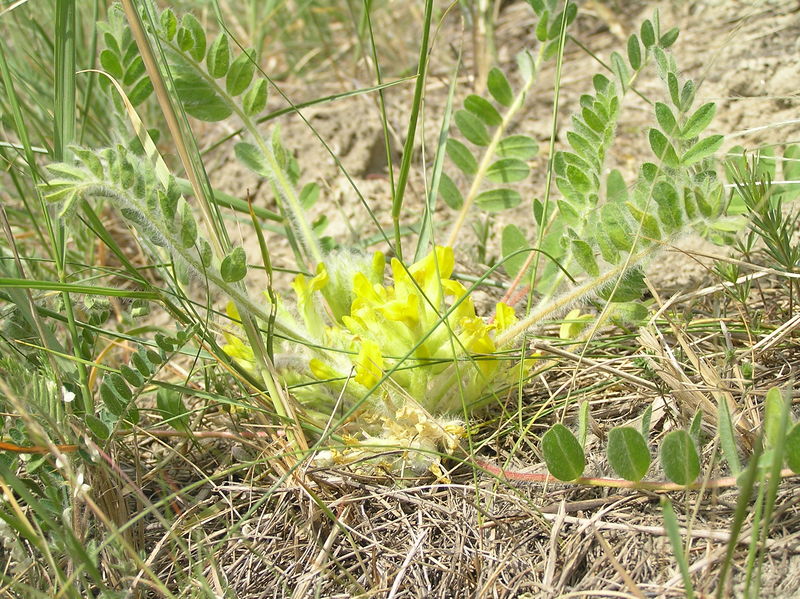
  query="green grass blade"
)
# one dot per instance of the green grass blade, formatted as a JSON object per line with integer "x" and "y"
{"x": 426, "y": 227}
{"x": 408, "y": 148}
{"x": 674, "y": 534}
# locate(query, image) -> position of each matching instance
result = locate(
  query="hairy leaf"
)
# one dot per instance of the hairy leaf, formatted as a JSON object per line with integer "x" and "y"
{"x": 666, "y": 120}
{"x": 234, "y": 266}
{"x": 199, "y": 98}
{"x": 255, "y": 99}
{"x": 562, "y": 453}
{"x": 627, "y": 453}
{"x": 702, "y": 149}
{"x": 698, "y": 122}
{"x": 679, "y": 457}
{"x": 634, "y": 52}
{"x": 240, "y": 74}
{"x": 219, "y": 56}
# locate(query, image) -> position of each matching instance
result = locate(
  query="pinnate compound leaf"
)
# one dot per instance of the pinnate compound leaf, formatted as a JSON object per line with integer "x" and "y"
{"x": 627, "y": 453}
{"x": 679, "y": 458}
{"x": 497, "y": 200}
{"x": 234, "y": 266}
{"x": 521, "y": 147}
{"x": 562, "y": 453}
{"x": 472, "y": 128}
{"x": 792, "y": 448}
{"x": 499, "y": 87}
{"x": 484, "y": 110}
{"x": 240, "y": 74}
{"x": 512, "y": 241}
{"x": 462, "y": 156}
{"x": 219, "y": 56}
{"x": 697, "y": 123}
{"x": 507, "y": 170}
{"x": 255, "y": 99}
{"x": 702, "y": 149}
{"x": 450, "y": 193}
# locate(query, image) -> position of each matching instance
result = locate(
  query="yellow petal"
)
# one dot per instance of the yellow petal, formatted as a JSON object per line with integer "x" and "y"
{"x": 369, "y": 364}
{"x": 321, "y": 279}
{"x": 232, "y": 312}
{"x": 321, "y": 371}
{"x": 504, "y": 316}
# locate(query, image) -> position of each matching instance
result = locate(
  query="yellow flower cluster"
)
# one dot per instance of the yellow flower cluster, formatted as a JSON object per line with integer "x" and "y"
{"x": 414, "y": 349}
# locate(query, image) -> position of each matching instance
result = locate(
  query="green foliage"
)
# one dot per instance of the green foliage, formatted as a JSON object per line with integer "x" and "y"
{"x": 628, "y": 453}
{"x": 679, "y": 457}
{"x": 673, "y": 532}
{"x": 120, "y": 58}
{"x": 763, "y": 203}
{"x": 562, "y": 453}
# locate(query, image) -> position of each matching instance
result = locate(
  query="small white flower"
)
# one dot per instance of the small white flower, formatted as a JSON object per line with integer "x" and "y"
{"x": 81, "y": 488}
{"x": 67, "y": 396}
